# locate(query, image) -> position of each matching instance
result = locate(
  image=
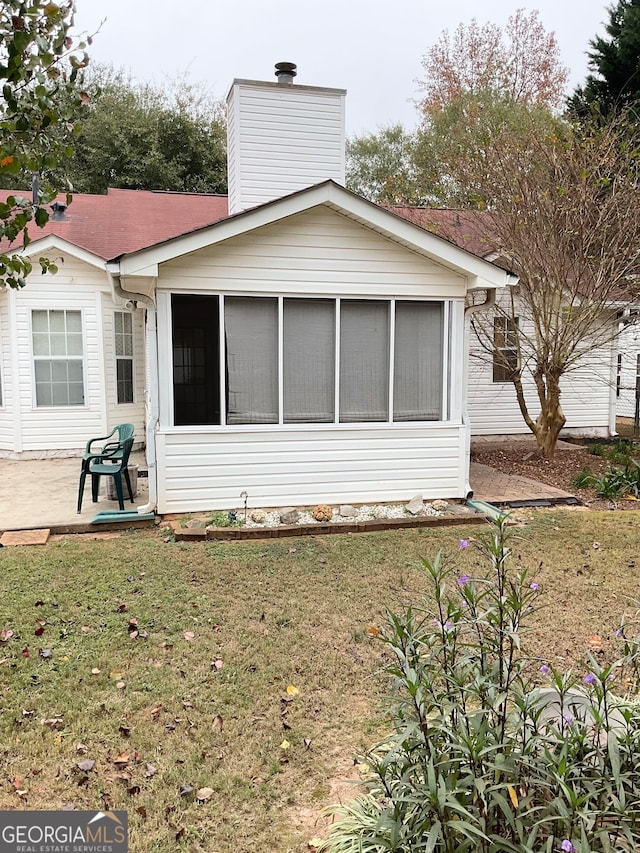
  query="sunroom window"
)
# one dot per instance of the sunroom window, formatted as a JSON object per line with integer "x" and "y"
{"x": 281, "y": 360}
{"x": 58, "y": 357}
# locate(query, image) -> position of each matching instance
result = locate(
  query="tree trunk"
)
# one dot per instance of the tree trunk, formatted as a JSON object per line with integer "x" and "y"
{"x": 551, "y": 418}
{"x": 547, "y": 426}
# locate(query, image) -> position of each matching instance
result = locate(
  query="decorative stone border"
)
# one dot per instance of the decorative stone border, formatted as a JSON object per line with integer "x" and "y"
{"x": 455, "y": 514}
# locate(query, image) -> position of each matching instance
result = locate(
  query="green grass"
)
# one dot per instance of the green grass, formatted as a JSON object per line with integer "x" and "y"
{"x": 275, "y": 613}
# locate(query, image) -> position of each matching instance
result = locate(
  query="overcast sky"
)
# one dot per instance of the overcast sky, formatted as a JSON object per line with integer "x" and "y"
{"x": 369, "y": 47}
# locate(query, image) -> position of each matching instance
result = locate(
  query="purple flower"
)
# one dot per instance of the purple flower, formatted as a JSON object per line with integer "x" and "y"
{"x": 463, "y": 544}
{"x": 544, "y": 669}
{"x": 567, "y": 718}
{"x": 567, "y": 846}
{"x": 589, "y": 678}
{"x": 619, "y": 632}
{"x": 534, "y": 586}
{"x": 463, "y": 580}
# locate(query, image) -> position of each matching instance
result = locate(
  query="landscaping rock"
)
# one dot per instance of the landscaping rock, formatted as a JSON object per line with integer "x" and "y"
{"x": 196, "y": 524}
{"x": 322, "y": 512}
{"x": 258, "y": 515}
{"x": 415, "y": 505}
{"x": 348, "y": 511}
{"x": 289, "y": 515}
{"x": 439, "y": 505}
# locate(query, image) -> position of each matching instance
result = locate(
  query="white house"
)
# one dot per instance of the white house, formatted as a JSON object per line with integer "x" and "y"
{"x": 308, "y": 346}
{"x": 301, "y": 345}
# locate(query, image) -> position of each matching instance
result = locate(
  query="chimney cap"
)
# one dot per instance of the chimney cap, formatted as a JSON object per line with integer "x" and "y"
{"x": 286, "y": 71}
{"x": 58, "y": 209}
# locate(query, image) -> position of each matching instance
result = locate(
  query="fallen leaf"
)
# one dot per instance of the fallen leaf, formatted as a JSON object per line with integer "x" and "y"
{"x": 52, "y": 722}
{"x": 133, "y": 790}
{"x": 292, "y": 691}
{"x": 95, "y": 671}
{"x": 85, "y": 629}
{"x": 154, "y": 712}
{"x": 180, "y": 833}
{"x": 149, "y": 771}
{"x": 116, "y": 674}
{"x": 373, "y": 631}
{"x": 142, "y": 812}
{"x": 185, "y": 790}
{"x": 122, "y": 759}
{"x": 122, "y": 608}
{"x": 81, "y": 748}
{"x": 86, "y": 765}
{"x": 314, "y": 843}
{"x": 124, "y": 729}
{"x": 25, "y": 652}
{"x": 45, "y": 653}
{"x": 217, "y": 664}
{"x": 307, "y": 742}
{"x": 204, "y": 794}
{"x": 188, "y": 635}
{"x": 5, "y": 635}
{"x": 513, "y": 796}
{"x": 39, "y": 631}
{"x": 27, "y": 712}
{"x": 121, "y": 685}
{"x": 218, "y": 722}
{"x": 285, "y": 744}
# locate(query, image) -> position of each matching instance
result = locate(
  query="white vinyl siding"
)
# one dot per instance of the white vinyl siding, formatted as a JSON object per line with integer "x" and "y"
{"x": 282, "y": 139}
{"x": 280, "y": 466}
{"x": 28, "y": 430}
{"x": 586, "y": 395}
{"x": 318, "y": 252}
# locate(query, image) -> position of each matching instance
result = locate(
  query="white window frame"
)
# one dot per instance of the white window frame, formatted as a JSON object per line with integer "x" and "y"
{"x": 446, "y": 403}
{"x": 131, "y": 358}
{"x": 81, "y": 358}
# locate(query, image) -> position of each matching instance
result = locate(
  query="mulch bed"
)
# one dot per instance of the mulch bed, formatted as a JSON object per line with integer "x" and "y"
{"x": 520, "y": 458}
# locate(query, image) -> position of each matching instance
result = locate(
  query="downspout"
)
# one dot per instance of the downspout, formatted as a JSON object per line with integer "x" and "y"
{"x": 152, "y": 392}
{"x": 489, "y": 302}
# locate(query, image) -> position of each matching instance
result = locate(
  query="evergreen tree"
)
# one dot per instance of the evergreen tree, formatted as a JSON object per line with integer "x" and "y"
{"x": 615, "y": 63}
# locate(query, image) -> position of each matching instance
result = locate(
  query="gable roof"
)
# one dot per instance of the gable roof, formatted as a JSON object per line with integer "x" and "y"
{"x": 124, "y": 221}
{"x": 481, "y": 272}
{"x": 142, "y": 228}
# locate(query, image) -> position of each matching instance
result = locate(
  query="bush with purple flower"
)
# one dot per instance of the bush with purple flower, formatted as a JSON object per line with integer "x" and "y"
{"x": 492, "y": 751}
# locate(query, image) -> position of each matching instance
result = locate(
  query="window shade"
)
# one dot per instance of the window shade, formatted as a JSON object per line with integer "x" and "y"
{"x": 309, "y": 360}
{"x": 417, "y": 373}
{"x": 251, "y": 341}
{"x": 364, "y": 361}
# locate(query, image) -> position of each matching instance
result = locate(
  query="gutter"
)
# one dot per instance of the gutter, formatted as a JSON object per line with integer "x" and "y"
{"x": 113, "y": 276}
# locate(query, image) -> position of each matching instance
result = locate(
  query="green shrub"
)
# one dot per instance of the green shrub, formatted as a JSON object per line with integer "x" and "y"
{"x": 583, "y": 479}
{"x": 225, "y": 519}
{"x": 492, "y": 752}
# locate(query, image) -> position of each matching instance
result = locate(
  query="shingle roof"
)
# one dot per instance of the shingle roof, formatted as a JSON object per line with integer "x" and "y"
{"x": 124, "y": 221}
{"x": 128, "y": 220}
{"x": 467, "y": 229}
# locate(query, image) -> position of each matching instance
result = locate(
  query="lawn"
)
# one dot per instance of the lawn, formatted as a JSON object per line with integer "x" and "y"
{"x": 219, "y": 691}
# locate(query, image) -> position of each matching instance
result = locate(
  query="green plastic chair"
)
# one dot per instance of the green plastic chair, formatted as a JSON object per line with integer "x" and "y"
{"x": 110, "y": 459}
